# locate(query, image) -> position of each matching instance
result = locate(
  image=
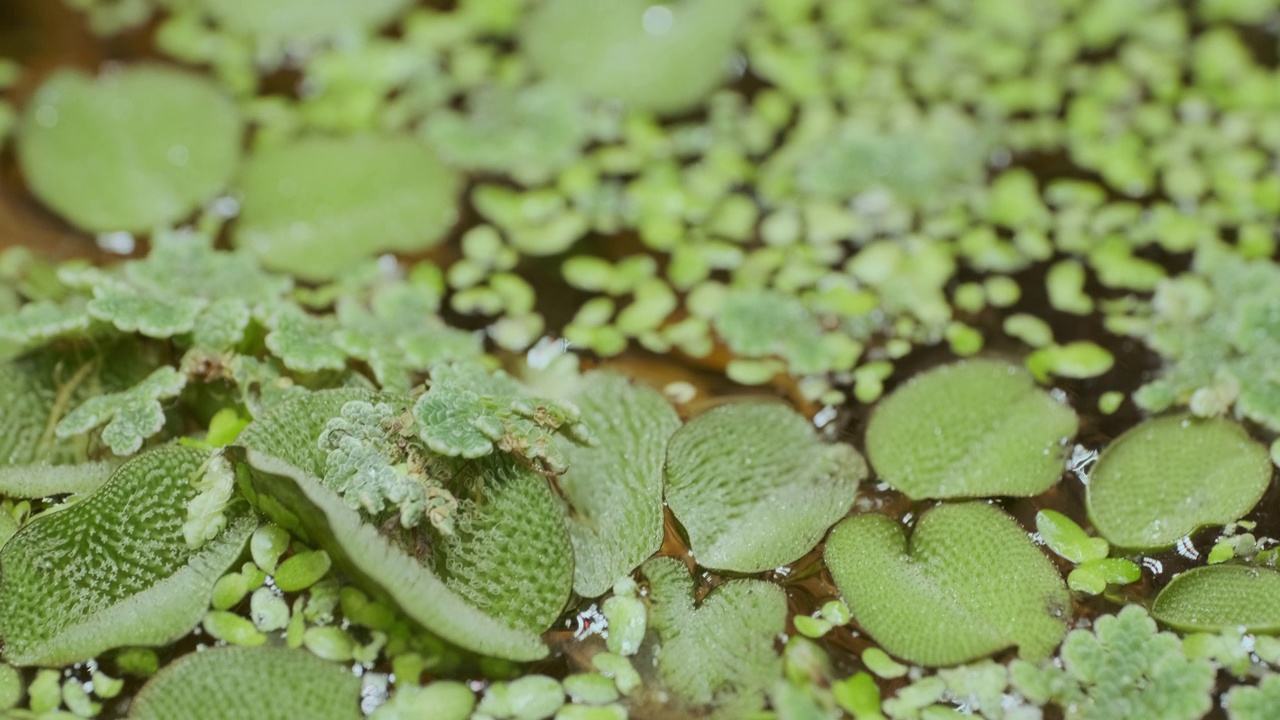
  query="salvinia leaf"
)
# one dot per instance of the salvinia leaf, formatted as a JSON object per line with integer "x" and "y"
{"x": 1221, "y": 597}
{"x": 970, "y": 429}
{"x": 746, "y": 466}
{"x": 130, "y": 150}
{"x": 737, "y": 620}
{"x": 968, "y": 583}
{"x": 300, "y": 502}
{"x": 1168, "y": 476}
{"x": 113, "y": 569}
{"x": 510, "y": 555}
{"x": 615, "y": 487}
{"x": 250, "y": 683}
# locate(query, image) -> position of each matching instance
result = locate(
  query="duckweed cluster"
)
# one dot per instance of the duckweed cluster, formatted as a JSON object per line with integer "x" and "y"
{"x": 375, "y": 426}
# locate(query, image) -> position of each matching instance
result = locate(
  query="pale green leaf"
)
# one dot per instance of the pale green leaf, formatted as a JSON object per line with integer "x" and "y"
{"x": 662, "y": 60}
{"x": 130, "y": 416}
{"x": 301, "y": 21}
{"x": 1168, "y": 476}
{"x": 968, "y": 584}
{"x": 1253, "y": 703}
{"x": 303, "y": 215}
{"x": 297, "y": 500}
{"x": 157, "y": 317}
{"x": 304, "y": 342}
{"x": 469, "y": 412}
{"x": 113, "y": 569}
{"x": 132, "y": 149}
{"x": 38, "y": 322}
{"x": 755, "y": 487}
{"x": 510, "y": 553}
{"x": 1221, "y": 597}
{"x": 250, "y": 683}
{"x": 970, "y": 429}
{"x": 290, "y": 430}
{"x": 738, "y": 619}
{"x": 615, "y": 487}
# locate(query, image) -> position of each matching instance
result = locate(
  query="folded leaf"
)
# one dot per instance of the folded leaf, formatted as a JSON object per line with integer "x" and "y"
{"x": 299, "y": 501}
{"x": 113, "y": 569}
{"x": 755, "y": 487}
{"x": 615, "y": 487}
{"x": 250, "y": 683}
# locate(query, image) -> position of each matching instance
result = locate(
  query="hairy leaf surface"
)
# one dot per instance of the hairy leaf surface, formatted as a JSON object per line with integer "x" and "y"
{"x": 967, "y": 584}
{"x": 113, "y": 569}
{"x": 1221, "y": 597}
{"x": 755, "y": 487}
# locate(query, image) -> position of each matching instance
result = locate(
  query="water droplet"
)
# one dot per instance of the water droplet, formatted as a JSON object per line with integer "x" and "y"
{"x": 120, "y": 243}
{"x": 658, "y": 20}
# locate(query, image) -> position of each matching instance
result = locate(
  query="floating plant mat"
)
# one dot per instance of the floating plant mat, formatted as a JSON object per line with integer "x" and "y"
{"x": 945, "y": 338}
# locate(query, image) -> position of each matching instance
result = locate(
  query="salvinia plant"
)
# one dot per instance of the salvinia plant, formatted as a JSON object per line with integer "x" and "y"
{"x": 526, "y": 359}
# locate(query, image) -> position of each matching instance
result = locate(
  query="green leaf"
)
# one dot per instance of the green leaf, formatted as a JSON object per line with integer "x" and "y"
{"x": 39, "y": 322}
{"x": 301, "y": 215}
{"x": 657, "y": 58}
{"x": 1166, "y": 477}
{"x": 469, "y": 413}
{"x": 301, "y": 22}
{"x": 1066, "y": 538}
{"x": 510, "y": 554}
{"x": 290, "y": 431}
{"x": 250, "y": 683}
{"x": 304, "y": 342}
{"x": 35, "y": 390}
{"x": 970, "y": 429}
{"x": 1221, "y": 597}
{"x": 968, "y": 584}
{"x": 130, "y": 150}
{"x": 738, "y": 619}
{"x": 615, "y": 487}
{"x": 130, "y": 416}
{"x": 1128, "y": 670}
{"x": 295, "y": 499}
{"x": 1253, "y": 703}
{"x": 750, "y": 465}
{"x": 113, "y": 569}
{"x": 530, "y": 133}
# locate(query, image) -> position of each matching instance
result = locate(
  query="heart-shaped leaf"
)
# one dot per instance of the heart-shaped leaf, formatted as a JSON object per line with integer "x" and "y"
{"x": 129, "y": 150}
{"x": 755, "y": 487}
{"x": 975, "y": 428}
{"x": 250, "y": 683}
{"x": 662, "y": 58}
{"x": 1221, "y": 597}
{"x": 615, "y": 487}
{"x": 720, "y": 652}
{"x": 1168, "y": 476}
{"x": 300, "y": 215}
{"x": 968, "y": 584}
{"x": 114, "y": 568}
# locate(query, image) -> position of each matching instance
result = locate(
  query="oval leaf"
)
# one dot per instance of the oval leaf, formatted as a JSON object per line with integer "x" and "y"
{"x": 113, "y": 569}
{"x": 975, "y": 428}
{"x": 129, "y": 150}
{"x": 250, "y": 683}
{"x": 1221, "y": 597}
{"x": 968, "y": 584}
{"x": 1168, "y": 476}
{"x": 662, "y": 58}
{"x": 615, "y": 487}
{"x": 741, "y": 468}
{"x": 302, "y": 214}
